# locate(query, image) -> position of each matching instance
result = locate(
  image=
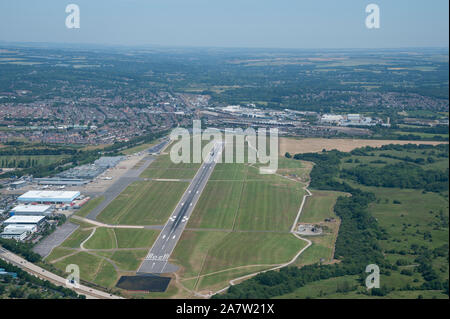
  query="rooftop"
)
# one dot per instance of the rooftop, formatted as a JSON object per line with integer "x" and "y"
{"x": 49, "y": 195}
{"x": 31, "y": 208}
{"x": 24, "y": 219}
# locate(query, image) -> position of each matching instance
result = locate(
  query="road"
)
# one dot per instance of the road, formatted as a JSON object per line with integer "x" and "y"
{"x": 156, "y": 261}
{"x": 31, "y": 268}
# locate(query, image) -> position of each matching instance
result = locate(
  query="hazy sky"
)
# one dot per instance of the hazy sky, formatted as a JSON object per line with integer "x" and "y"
{"x": 229, "y": 23}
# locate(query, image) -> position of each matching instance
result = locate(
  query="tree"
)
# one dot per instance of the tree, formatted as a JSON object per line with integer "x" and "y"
{"x": 16, "y": 293}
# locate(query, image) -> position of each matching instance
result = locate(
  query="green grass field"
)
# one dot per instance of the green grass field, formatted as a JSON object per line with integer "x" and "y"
{"x": 203, "y": 253}
{"x": 163, "y": 167}
{"x": 129, "y": 260}
{"x": 409, "y": 217}
{"x": 15, "y": 160}
{"x": 232, "y": 172}
{"x": 238, "y": 197}
{"x": 218, "y": 205}
{"x": 98, "y": 265}
{"x": 135, "y": 238}
{"x": 138, "y": 148}
{"x": 57, "y": 253}
{"x": 348, "y": 287}
{"x": 144, "y": 203}
{"x": 319, "y": 206}
{"x": 269, "y": 206}
{"x": 77, "y": 237}
{"x": 92, "y": 268}
{"x": 416, "y": 220}
{"x": 89, "y": 206}
{"x": 316, "y": 209}
{"x": 103, "y": 238}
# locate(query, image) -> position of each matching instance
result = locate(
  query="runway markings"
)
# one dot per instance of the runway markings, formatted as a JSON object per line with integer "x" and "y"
{"x": 174, "y": 233}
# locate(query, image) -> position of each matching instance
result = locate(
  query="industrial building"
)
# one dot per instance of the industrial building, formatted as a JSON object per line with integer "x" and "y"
{"x": 54, "y": 197}
{"x": 32, "y": 210}
{"x": 25, "y": 220}
{"x": 331, "y": 119}
{"x": 17, "y": 228}
{"x": 18, "y": 231}
{"x": 18, "y": 184}
{"x": 61, "y": 181}
{"x": 89, "y": 171}
{"x": 17, "y": 235}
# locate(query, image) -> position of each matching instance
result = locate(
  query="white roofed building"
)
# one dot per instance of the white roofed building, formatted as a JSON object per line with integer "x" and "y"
{"x": 18, "y": 228}
{"x": 331, "y": 119}
{"x": 54, "y": 197}
{"x": 25, "y": 220}
{"x": 17, "y": 235}
{"x": 37, "y": 210}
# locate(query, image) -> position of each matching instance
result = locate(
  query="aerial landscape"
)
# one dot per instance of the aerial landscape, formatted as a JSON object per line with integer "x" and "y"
{"x": 211, "y": 171}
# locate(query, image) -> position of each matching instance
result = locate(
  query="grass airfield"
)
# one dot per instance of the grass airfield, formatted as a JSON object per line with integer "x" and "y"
{"x": 240, "y": 225}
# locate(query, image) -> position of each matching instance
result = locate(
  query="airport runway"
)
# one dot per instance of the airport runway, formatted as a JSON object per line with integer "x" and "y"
{"x": 156, "y": 261}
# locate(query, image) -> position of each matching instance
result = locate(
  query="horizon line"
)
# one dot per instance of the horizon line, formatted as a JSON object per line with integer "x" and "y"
{"x": 168, "y": 46}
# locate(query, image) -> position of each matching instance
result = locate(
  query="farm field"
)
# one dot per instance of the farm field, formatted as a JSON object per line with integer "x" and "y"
{"x": 314, "y": 145}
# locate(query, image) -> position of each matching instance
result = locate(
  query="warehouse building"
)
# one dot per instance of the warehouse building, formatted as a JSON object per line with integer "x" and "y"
{"x": 61, "y": 181}
{"x": 331, "y": 119}
{"x": 18, "y": 184}
{"x": 17, "y": 235}
{"x": 25, "y": 220}
{"x": 31, "y": 210}
{"x": 54, "y": 197}
{"x": 18, "y": 228}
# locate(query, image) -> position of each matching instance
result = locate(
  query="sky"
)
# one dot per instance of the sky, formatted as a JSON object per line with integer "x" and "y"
{"x": 229, "y": 23}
